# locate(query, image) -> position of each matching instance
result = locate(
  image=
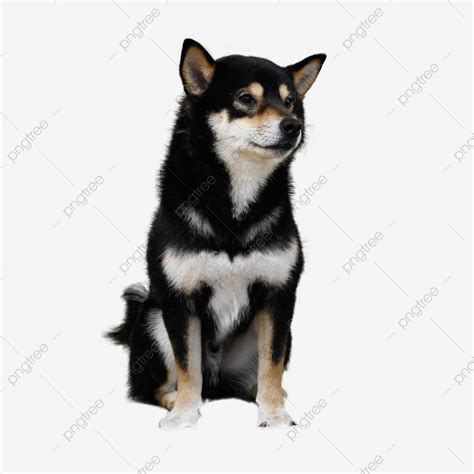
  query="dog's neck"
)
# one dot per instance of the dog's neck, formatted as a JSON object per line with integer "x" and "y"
{"x": 247, "y": 177}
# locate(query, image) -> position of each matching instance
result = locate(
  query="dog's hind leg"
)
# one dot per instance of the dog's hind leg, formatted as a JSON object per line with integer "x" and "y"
{"x": 166, "y": 396}
{"x": 152, "y": 374}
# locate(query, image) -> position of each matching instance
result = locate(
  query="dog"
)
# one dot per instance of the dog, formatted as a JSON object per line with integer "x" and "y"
{"x": 224, "y": 254}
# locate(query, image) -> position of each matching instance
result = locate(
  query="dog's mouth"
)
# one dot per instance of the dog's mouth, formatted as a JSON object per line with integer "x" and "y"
{"x": 279, "y": 147}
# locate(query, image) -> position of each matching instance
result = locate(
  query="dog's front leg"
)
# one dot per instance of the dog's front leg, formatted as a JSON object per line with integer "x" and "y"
{"x": 185, "y": 336}
{"x": 273, "y": 333}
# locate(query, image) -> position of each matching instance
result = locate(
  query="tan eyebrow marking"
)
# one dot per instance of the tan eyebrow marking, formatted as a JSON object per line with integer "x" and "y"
{"x": 283, "y": 91}
{"x": 256, "y": 89}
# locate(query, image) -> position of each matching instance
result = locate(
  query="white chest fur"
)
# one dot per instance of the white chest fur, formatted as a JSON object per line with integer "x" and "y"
{"x": 229, "y": 279}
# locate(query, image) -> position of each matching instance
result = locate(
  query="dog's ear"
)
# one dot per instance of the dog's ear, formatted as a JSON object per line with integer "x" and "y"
{"x": 196, "y": 68}
{"x": 305, "y": 72}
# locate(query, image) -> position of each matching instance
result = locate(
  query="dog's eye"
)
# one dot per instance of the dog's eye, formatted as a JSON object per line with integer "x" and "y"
{"x": 246, "y": 99}
{"x": 290, "y": 100}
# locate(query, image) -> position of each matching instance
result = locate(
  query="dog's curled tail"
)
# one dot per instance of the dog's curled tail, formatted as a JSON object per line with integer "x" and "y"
{"x": 134, "y": 296}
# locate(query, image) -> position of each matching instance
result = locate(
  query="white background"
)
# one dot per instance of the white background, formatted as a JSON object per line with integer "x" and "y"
{"x": 389, "y": 169}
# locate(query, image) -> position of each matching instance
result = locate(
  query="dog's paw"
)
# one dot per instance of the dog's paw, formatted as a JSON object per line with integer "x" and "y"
{"x": 177, "y": 419}
{"x": 168, "y": 399}
{"x": 274, "y": 418}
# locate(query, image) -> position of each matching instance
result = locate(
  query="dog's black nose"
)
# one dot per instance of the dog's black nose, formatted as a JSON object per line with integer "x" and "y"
{"x": 290, "y": 127}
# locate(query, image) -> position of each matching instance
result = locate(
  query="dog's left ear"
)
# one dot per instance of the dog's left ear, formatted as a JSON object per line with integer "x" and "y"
{"x": 196, "y": 68}
{"x": 305, "y": 72}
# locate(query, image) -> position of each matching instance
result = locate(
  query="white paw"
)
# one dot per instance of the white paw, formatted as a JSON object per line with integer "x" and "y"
{"x": 178, "y": 418}
{"x": 274, "y": 418}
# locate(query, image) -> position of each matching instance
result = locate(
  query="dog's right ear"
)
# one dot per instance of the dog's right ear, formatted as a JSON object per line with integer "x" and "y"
{"x": 305, "y": 72}
{"x": 196, "y": 68}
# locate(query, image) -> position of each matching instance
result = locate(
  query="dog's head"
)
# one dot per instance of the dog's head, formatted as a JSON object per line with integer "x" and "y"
{"x": 253, "y": 106}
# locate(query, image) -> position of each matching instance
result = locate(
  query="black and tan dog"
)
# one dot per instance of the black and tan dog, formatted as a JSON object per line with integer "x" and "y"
{"x": 224, "y": 255}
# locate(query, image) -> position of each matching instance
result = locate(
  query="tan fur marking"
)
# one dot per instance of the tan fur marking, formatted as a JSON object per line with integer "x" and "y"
{"x": 270, "y": 392}
{"x": 261, "y": 118}
{"x": 163, "y": 393}
{"x": 256, "y": 89}
{"x": 187, "y": 388}
{"x": 165, "y": 396}
{"x": 284, "y": 92}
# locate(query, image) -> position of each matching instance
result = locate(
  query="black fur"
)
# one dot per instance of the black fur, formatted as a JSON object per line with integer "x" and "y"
{"x": 134, "y": 297}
